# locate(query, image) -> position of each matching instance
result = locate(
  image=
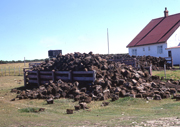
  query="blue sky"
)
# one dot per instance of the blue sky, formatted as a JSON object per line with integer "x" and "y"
{"x": 29, "y": 28}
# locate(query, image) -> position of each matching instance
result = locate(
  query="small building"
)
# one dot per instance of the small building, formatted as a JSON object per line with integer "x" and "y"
{"x": 159, "y": 38}
{"x": 54, "y": 53}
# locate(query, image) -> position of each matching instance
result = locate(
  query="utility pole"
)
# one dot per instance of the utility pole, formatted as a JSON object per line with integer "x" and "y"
{"x": 24, "y": 62}
{"x": 108, "y": 40}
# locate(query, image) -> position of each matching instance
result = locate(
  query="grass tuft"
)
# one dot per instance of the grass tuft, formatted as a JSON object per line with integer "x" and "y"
{"x": 129, "y": 101}
{"x": 27, "y": 110}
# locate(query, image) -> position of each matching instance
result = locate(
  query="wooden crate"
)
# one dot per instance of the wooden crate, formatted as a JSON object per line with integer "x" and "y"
{"x": 41, "y": 77}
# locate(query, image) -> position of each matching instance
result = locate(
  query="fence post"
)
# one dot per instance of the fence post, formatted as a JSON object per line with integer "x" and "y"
{"x": 165, "y": 70}
{"x": 14, "y": 71}
{"x": 9, "y": 71}
{"x": 19, "y": 71}
{"x": 135, "y": 62}
{"x": 150, "y": 69}
{"x": 24, "y": 62}
{"x": 25, "y": 80}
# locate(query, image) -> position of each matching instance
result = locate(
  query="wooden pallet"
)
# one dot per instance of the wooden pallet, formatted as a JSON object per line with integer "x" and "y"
{"x": 41, "y": 77}
{"x": 169, "y": 61}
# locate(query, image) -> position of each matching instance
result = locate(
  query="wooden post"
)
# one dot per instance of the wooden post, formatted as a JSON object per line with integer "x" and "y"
{"x": 19, "y": 70}
{"x": 24, "y": 62}
{"x": 25, "y": 80}
{"x": 94, "y": 76}
{"x": 165, "y": 70}
{"x": 135, "y": 62}
{"x": 150, "y": 69}
{"x": 171, "y": 61}
{"x": 14, "y": 71}
{"x": 9, "y": 71}
{"x": 53, "y": 76}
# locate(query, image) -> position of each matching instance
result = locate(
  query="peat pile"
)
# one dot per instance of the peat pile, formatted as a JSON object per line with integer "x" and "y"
{"x": 115, "y": 56}
{"x": 113, "y": 80}
{"x": 148, "y": 60}
{"x": 157, "y": 62}
{"x": 86, "y": 62}
{"x": 74, "y": 62}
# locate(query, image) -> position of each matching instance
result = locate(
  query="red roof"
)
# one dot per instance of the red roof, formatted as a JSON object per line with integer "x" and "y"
{"x": 173, "y": 47}
{"x": 157, "y": 31}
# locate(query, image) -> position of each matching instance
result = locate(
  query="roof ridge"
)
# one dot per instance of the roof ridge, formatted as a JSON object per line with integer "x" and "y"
{"x": 167, "y": 16}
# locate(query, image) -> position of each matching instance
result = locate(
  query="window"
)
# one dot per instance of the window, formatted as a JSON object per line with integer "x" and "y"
{"x": 134, "y": 52}
{"x": 143, "y": 49}
{"x": 149, "y": 48}
{"x": 159, "y": 49}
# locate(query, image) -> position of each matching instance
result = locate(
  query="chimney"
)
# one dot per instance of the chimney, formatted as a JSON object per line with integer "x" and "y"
{"x": 166, "y": 12}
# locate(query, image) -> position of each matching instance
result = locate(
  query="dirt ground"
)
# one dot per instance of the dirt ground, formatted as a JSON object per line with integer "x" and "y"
{"x": 165, "y": 122}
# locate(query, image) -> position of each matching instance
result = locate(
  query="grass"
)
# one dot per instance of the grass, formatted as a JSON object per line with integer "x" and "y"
{"x": 170, "y": 74}
{"x": 12, "y": 69}
{"x": 123, "y": 112}
{"x": 29, "y": 109}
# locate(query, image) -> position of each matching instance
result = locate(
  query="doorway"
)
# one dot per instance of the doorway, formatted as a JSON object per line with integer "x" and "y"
{"x": 169, "y": 54}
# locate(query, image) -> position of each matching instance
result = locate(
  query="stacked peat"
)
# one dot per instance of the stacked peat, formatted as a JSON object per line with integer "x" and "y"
{"x": 157, "y": 62}
{"x": 86, "y": 62}
{"x": 113, "y": 80}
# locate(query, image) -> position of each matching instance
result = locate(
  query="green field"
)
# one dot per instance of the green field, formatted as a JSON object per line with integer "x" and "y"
{"x": 123, "y": 112}
{"x": 170, "y": 74}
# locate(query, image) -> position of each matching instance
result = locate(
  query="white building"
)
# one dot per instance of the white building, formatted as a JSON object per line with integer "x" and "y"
{"x": 160, "y": 38}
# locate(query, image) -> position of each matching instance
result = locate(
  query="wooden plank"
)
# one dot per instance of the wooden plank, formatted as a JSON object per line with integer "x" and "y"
{"x": 62, "y": 72}
{"x": 45, "y": 72}
{"x": 63, "y": 78}
{"x": 32, "y": 76}
{"x": 24, "y": 68}
{"x": 32, "y": 72}
{"x": 83, "y": 79}
{"x": 33, "y": 81}
{"x": 46, "y": 77}
{"x": 83, "y": 72}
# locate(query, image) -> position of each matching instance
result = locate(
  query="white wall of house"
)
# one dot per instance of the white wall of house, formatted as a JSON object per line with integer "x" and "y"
{"x": 151, "y": 50}
{"x": 175, "y": 55}
{"x": 174, "y": 40}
